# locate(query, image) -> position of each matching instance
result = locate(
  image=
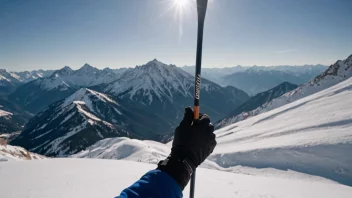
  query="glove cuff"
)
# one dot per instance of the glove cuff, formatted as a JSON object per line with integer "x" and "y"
{"x": 180, "y": 170}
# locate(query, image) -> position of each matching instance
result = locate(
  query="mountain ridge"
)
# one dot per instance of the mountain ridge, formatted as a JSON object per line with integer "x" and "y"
{"x": 336, "y": 73}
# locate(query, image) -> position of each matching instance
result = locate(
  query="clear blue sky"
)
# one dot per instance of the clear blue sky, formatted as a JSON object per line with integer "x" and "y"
{"x": 123, "y": 33}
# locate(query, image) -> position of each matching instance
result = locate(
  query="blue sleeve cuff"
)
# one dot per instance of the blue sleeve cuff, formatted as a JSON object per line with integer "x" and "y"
{"x": 155, "y": 183}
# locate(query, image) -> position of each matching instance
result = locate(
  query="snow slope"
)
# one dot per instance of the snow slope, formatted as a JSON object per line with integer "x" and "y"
{"x": 312, "y": 135}
{"x": 335, "y": 74}
{"x": 128, "y": 149}
{"x": 107, "y": 178}
{"x": 9, "y": 153}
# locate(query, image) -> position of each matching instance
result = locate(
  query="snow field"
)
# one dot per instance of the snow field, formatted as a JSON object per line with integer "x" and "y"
{"x": 58, "y": 178}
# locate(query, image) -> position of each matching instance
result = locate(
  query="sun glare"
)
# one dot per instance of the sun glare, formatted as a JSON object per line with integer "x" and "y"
{"x": 181, "y": 3}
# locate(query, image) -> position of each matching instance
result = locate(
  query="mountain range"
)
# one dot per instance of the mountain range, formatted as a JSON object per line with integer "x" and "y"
{"x": 335, "y": 74}
{"x": 145, "y": 103}
{"x": 76, "y": 108}
{"x": 9, "y": 81}
{"x": 256, "y": 79}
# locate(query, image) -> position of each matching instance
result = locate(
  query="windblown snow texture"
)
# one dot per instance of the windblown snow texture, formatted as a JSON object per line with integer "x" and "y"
{"x": 312, "y": 135}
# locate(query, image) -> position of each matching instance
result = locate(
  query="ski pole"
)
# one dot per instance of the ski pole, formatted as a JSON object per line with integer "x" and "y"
{"x": 201, "y": 9}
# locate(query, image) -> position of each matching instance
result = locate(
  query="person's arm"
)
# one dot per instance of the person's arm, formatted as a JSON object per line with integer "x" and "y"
{"x": 155, "y": 183}
{"x": 193, "y": 142}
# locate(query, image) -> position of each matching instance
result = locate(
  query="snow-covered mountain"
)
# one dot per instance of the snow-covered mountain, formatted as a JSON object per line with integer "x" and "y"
{"x": 14, "y": 153}
{"x": 38, "y": 94}
{"x": 167, "y": 89}
{"x": 27, "y": 76}
{"x": 68, "y": 126}
{"x": 336, "y": 73}
{"x": 312, "y": 135}
{"x": 257, "y": 101}
{"x": 8, "y": 82}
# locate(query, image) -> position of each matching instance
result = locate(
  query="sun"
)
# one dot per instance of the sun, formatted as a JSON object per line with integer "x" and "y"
{"x": 181, "y": 3}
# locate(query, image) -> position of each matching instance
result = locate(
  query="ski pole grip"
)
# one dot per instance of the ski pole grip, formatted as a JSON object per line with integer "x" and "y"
{"x": 196, "y": 112}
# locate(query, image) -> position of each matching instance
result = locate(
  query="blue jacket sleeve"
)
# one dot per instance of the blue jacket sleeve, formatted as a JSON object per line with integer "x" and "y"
{"x": 156, "y": 184}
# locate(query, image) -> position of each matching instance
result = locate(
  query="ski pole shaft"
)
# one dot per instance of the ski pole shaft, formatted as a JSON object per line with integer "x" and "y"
{"x": 201, "y": 9}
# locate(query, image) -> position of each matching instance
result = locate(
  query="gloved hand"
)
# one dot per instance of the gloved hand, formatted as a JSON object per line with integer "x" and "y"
{"x": 194, "y": 141}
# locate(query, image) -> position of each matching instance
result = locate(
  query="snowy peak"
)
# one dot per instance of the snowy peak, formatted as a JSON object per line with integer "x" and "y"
{"x": 86, "y": 76}
{"x": 87, "y": 96}
{"x": 156, "y": 86}
{"x": 62, "y": 72}
{"x": 8, "y": 82}
{"x": 88, "y": 69}
{"x": 337, "y": 72}
{"x": 154, "y": 80}
{"x": 157, "y": 67}
{"x": 27, "y": 76}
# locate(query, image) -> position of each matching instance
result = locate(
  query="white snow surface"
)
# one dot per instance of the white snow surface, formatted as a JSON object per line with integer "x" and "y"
{"x": 312, "y": 135}
{"x": 57, "y": 178}
{"x": 128, "y": 149}
{"x": 335, "y": 74}
{"x": 133, "y": 150}
{"x": 10, "y": 153}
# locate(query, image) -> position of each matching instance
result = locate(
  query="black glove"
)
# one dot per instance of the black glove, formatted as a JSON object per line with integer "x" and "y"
{"x": 194, "y": 141}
